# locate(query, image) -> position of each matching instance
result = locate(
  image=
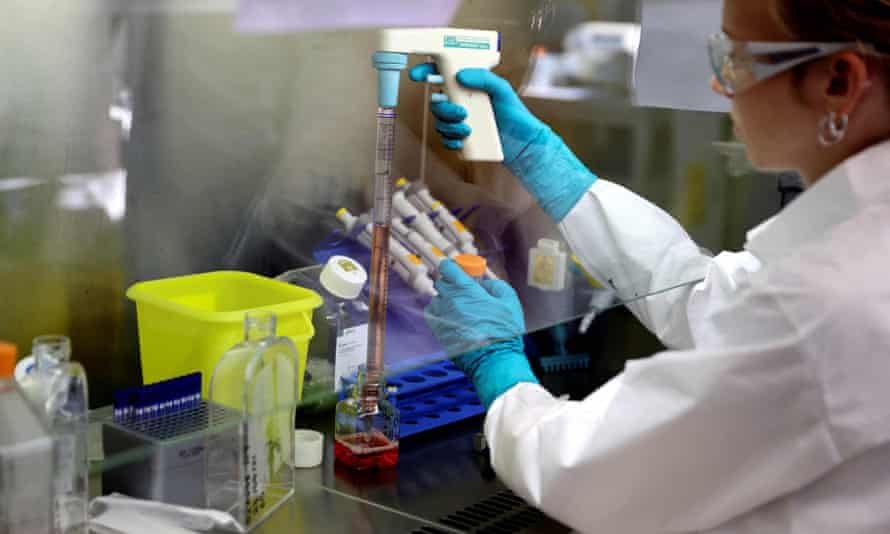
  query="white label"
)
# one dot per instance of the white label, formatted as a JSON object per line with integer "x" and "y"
{"x": 352, "y": 351}
{"x": 260, "y": 425}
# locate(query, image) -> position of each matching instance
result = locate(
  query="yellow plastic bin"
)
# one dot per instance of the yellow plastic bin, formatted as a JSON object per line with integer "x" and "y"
{"x": 186, "y": 323}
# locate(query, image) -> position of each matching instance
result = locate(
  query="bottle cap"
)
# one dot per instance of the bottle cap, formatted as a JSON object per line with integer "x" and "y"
{"x": 308, "y": 448}
{"x": 343, "y": 277}
{"x": 402, "y": 182}
{"x": 472, "y": 264}
{"x": 8, "y": 352}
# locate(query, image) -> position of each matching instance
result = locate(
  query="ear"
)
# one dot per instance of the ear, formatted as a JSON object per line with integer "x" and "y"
{"x": 837, "y": 83}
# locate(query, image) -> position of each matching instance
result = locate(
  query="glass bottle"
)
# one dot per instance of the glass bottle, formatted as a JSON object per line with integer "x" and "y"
{"x": 258, "y": 377}
{"x": 366, "y": 440}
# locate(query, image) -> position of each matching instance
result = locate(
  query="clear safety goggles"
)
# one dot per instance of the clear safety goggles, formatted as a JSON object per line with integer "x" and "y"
{"x": 739, "y": 65}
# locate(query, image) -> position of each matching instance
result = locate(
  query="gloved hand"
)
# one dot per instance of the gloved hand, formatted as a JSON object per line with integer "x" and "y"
{"x": 536, "y": 155}
{"x": 483, "y": 323}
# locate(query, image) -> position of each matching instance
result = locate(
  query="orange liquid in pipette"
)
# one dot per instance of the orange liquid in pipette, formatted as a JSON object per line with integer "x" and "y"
{"x": 363, "y": 452}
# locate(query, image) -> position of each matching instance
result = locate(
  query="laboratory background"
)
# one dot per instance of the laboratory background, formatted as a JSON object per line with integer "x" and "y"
{"x": 142, "y": 141}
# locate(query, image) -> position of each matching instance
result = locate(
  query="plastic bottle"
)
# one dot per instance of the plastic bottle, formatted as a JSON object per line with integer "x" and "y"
{"x": 547, "y": 266}
{"x": 26, "y": 458}
{"x": 473, "y": 265}
{"x": 57, "y": 387}
{"x": 340, "y": 342}
{"x": 258, "y": 377}
{"x": 366, "y": 440}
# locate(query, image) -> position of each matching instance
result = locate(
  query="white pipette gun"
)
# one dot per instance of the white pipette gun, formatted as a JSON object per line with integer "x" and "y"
{"x": 452, "y": 49}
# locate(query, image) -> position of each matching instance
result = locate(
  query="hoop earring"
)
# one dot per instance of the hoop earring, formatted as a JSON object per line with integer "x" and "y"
{"x": 833, "y": 128}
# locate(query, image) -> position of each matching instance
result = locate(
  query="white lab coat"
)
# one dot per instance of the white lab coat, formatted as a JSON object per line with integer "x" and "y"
{"x": 771, "y": 414}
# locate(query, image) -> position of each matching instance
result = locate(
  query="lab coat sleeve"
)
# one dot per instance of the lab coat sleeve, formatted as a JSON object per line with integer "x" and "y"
{"x": 682, "y": 442}
{"x": 635, "y": 248}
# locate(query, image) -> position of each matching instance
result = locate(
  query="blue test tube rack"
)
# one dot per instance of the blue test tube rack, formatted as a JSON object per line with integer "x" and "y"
{"x": 430, "y": 397}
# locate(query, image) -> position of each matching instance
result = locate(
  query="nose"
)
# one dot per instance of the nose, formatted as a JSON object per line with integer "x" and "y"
{"x": 717, "y": 87}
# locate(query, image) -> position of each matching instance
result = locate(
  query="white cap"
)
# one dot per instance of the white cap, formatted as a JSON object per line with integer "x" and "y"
{"x": 343, "y": 277}
{"x": 308, "y": 448}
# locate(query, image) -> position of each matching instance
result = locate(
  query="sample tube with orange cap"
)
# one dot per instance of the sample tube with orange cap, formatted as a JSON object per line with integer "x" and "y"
{"x": 473, "y": 265}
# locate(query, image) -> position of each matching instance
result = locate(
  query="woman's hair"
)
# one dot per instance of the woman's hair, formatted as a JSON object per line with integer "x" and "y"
{"x": 866, "y": 21}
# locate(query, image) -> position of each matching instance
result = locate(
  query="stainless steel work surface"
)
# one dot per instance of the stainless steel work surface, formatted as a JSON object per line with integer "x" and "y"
{"x": 440, "y": 486}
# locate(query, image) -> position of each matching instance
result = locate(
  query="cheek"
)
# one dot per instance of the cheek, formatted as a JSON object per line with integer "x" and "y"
{"x": 769, "y": 119}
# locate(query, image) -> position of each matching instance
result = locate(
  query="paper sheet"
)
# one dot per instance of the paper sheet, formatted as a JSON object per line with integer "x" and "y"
{"x": 274, "y": 16}
{"x": 673, "y": 69}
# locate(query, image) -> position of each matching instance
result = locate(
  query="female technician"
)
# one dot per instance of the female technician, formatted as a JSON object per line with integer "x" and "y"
{"x": 771, "y": 413}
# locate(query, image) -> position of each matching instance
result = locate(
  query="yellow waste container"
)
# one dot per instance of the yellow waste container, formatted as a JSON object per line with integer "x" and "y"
{"x": 186, "y": 323}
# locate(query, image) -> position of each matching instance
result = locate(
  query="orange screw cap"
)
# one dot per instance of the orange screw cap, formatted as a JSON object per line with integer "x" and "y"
{"x": 473, "y": 265}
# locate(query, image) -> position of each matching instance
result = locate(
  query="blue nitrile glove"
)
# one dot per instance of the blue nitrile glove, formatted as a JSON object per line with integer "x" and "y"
{"x": 483, "y": 323}
{"x": 536, "y": 155}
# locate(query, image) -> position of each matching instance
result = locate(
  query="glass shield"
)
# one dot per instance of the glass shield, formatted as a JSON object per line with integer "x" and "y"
{"x": 166, "y": 142}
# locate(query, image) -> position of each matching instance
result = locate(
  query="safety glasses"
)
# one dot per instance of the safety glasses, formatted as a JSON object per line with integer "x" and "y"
{"x": 739, "y": 65}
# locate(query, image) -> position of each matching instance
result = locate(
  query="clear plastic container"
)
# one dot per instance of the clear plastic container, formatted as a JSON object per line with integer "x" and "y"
{"x": 26, "y": 459}
{"x": 258, "y": 378}
{"x": 366, "y": 440}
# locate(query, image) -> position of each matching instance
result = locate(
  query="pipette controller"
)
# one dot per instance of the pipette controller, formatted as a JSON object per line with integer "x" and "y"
{"x": 453, "y": 50}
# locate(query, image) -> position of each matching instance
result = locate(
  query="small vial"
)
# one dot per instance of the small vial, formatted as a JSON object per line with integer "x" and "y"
{"x": 473, "y": 265}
